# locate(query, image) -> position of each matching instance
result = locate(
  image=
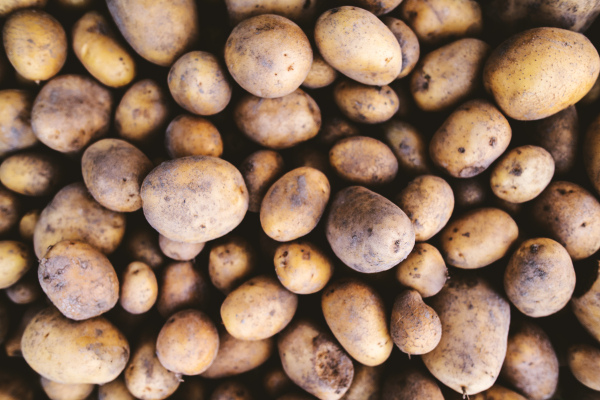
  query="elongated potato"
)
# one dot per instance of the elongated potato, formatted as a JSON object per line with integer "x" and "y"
{"x": 15, "y": 260}
{"x": 8, "y": 6}
{"x": 31, "y": 174}
{"x": 365, "y": 104}
{"x": 61, "y": 391}
{"x": 409, "y": 147}
{"x": 15, "y": 121}
{"x": 409, "y": 44}
{"x": 260, "y": 170}
{"x": 408, "y": 385}
{"x": 182, "y": 286}
{"x": 587, "y": 307}
{"x": 302, "y": 267}
{"x": 366, "y": 383}
{"x": 584, "y": 363}
{"x": 231, "y": 261}
{"x": 115, "y": 390}
{"x": 559, "y": 135}
{"x": 189, "y": 135}
{"x": 139, "y": 288}
{"x": 423, "y": 270}
{"x": 320, "y": 75}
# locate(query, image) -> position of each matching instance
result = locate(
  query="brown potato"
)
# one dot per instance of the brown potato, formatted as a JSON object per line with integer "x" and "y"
{"x": 139, "y": 288}
{"x": 61, "y": 391}
{"x": 15, "y": 260}
{"x": 231, "y": 390}
{"x": 25, "y": 291}
{"x": 408, "y": 385}
{"x": 8, "y": 6}
{"x": 178, "y": 250}
{"x": 584, "y": 363}
{"x": 311, "y": 157}
{"x": 320, "y": 75}
{"x": 365, "y": 104}
{"x": 334, "y": 129}
{"x": 9, "y": 210}
{"x": 115, "y": 390}
{"x": 182, "y": 286}
{"x": 302, "y": 267}
{"x": 15, "y": 121}
{"x": 258, "y": 309}
{"x": 409, "y": 44}
{"x": 189, "y": 135}
{"x": 14, "y": 387}
{"x": 586, "y": 307}
{"x": 530, "y": 75}
{"x": 142, "y": 245}
{"x": 297, "y": 10}
{"x": 231, "y": 261}
{"x": 260, "y": 170}
{"x": 559, "y": 135}
{"x": 356, "y": 316}
{"x": 192, "y": 389}
{"x": 409, "y": 147}
{"x": 276, "y": 382}
{"x": 470, "y": 139}
{"x": 592, "y": 95}
{"x": 366, "y": 383}
{"x": 470, "y": 192}
{"x": 31, "y": 174}
{"x": 278, "y": 123}
{"x": 423, "y": 270}
{"x": 497, "y": 392}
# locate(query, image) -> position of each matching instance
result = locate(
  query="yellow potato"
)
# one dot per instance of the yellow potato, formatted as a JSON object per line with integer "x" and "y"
{"x": 586, "y": 307}
{"x": 559, "y": 135}
{"x": 365, "y": 104}
{"x": 366, "y": 383}
{"x": 9, "y": 210}
{"x": 334, "y": 129}
{"x": 115, "y": 390}
{"x": 423, "y": 270}
{"x": 320, "y": 75}
{"x": 409, "y": 147}
{"x": 181, "y": 287}
{"x": 409, "y": 44}
{"x": 302, "y": 267}
{"x": 189, "y": 135}
{"x": 15, "y": 121}
{"x": 298, "y": 11}
{"x": 61, "y": 391}
{"x": 31, "y": 174}
{"x": 142, "y": 245}
{"x": 15, "y": 260}
{"x": 260, "y": 170}
{"x": 139, "y": 288}
{"x": 584, "y": 363}
{"x": 411, "y": 384}
{"x": 231, "y": 261}
{"x": 497, "y": 392}
{"x": 8, "y": 6}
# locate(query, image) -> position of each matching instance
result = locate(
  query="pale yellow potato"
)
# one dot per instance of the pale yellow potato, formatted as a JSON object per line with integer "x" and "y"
{"x": 61, "y": 391}
{"x": 320, "y": 75}
{"x": 231, "y": 261}
{"x": 302, "y": 267}
{"x": 27, "y": 224}
{"x": 586, "y": 307}
{"x": 584, "y": 363}
{"x": 8, "y": 6}
{"x": 409, "y": 146}
{"x": 365, "y": 104}
{"x": 15, "y": 260}
{"x": 182, "y": 286}
{"x": 260, "y": 170}
{"x": 189, "y": 135}
{"x": 559, "y": 135}
{"x": 15, "y": 121}
{"x": 9, "y": 210}
{"x": 366, "y": 383}
{"x": 31, "y": 174}
{"x": 115, "y": 390}
{"x": 409, "y": 44}
{"x": 139, "y": 288}
{"x": 178, "y": 250}
{"x": 298, "y": 11}
{"x": 423, "y": 270}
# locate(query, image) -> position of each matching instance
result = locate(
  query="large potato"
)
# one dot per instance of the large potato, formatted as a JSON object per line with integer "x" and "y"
{"x": 8, "y": 6}
{"x": 182, "y": 286}
{"x": 298, "y": 11}
{"x": 409, "y": 385}
{"x": 302, "y": 267}
{"x": 15, "y": 121}
{"x": 9, "y": 210}
{"x": 559, "y": 135}
{"x": 320, "y": 75}
{"x": 366, "y": 383}
{"x": 15, "y": 260}
{"x": 31, "y": 174}
{"x": 139, "y": 288}
{"x": 531, "y": 75}
{"x": 365, "y": 104}
{"x": 584, "y": 363}
{"x": 586, "y": 307}
{"x": 189, "y": 135}
{"x": 260, "y": 170}
{"x": 230, "y": 262}
{"x": 409, "y": 44}
{"x": 61, "y": 391}
{"x": 423, "y": 270}
{"x": 409, "y": 147}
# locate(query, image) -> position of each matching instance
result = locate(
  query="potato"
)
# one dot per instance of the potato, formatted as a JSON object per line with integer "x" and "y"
{"x": 356, "y": 316}
{"x": 61, "y": 391}
{"x": 278, "y": 123}
{"x": 592, "y": 95}
{"x": 314, "y": 361}
{"x": 189, "y": 135}
{"x": 296, "y": 10}
{"x": 409, "y": 147}
{"x": 74, "y": 352}
{"x": 296, "y": 396}
{"x": 470, "y": 139}
{"x": 15, "y": 121}
{"x": 194, "y": 199}
{"x": 470, "y": 192}
{"x": 365, "y": 104}
{"x": 423, "y": 270}
{"x": 359, "y": 45}
{"x": 334, "y": 129}
{"x": 231, "y": 261}
{"x": 539, "y": 279}
{"x": 531, "y": 365}
{"x": 408, "y": 385}
{"x": 142, "y": 112}
{"x": 115, "y": 390}
{"x": 302, "y": 267}
{"x": 530, "y": 77}
{"x": 260, "y": 170}
{"x": 366, "y": 383}
{"x": 12, "y": 344}
{"x": 25, "y": 291}
{"x": 35, "y": 44}
{"x": 8, "y": 6}
{"x": 142, "y": 245}
{"x": 14, "y": 387}
{"x": 497, "y": 392}
{"x": 320, "y": 75}
{"x": 178, "y": 250}
{"x": 306, "y": 156}
{"x": 182, "y": 286}
{"x": 158, "y": 31}
{"x": 31, "y": 174}
{"x": 586, "y": 307}
{"x": 4, "y": 322}
{"x": 15, "y": 260}
{"x": 99, "y": 50}
{"x": 475, "y": 321}
{"x": 285, "y": 55}
{"x": 293, "y": 206}
{"x": 71, "y": 111}
{"x": 9, "y": 210}
{"x": 569, "y": 214}
{"x": 409, "y": 44}
{"x": 559, "y": 135}
{"x": 367, "y": 232}
{"x": 276, "y": 382}
{"x": 139, "y": 288}
{"x": 449, "y": 75}
{"x": 258, "y": 309}
{"x": 584, "y": 363}
{"x": 191, "y": 389}
{"x": 231, "y": 390}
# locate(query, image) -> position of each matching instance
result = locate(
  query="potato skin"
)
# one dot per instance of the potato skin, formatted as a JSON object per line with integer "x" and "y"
{"x": 74, "y": 352}
{"x": 15, "y": 121}
{"x": 409, "y": 147}
{"x": 31, "y": 174}
{"x": 584, "y": 363}
{"x": 587, "y": 308}
{"x": 182, "y": 286}
{"x": 559, "y": 135}
{"x": 365, "y": 104}
{"x": 498, "y": 392}
{"x": 519, "y": 68}
{"x": 423, "y": 270}
{"x": 15, "y": 260}
{"x": 230, "y": 262}
{"x": 231, "y": 390}
{"x": 260, "y": 170}
{"x": 366, "y": 383}
{"x": 142, "y": 245}
{"x": 409, "y": 44}
{"x": 115, "y": 390}
{"x": 302, "y": 267}
{"x": 139, "y": 288}
{"x": 334, "y": 129}
{"x": 297, "y": 10}
{"x": 14, "y": 387}
{"x": 8, "y": 6}
{"x": 320, "y": 75}
{"x": 179, "y": 251}
{"x": 189, "y": 135}
{"x": 61, "y": 391}
{"x": 408, "y": 385}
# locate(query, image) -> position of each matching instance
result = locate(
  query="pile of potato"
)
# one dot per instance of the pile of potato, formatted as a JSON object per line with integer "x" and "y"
{"x": 300, "y": 199}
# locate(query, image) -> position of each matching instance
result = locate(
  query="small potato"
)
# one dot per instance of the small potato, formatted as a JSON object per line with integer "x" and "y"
{"x": 115, "y": 390}
{"x": 409, "y": 147}
{"x": 14, "y": 387}
{"x": 189, "y": 135}
{"x": 297, "y": 10}
{"x": 35, "y": 44}
{"x": 570, "y": 215}
{"x": 470, "y": 192}
{"x": 25, "y": 291}
{"x": 71, "y": 111}
{"x": 74, "y": 352}
{"x": 559, "y": 135}
{"x": 9, "y": 210}
{"x": 423, "y": 270}
{"x": 363, "y": 160}
{"x": 367, "y": 232}
{"x": 497, "y": 392}
{"x": 335, "y": 129}
{"x": 285, "y": 55}
{"x": 231, "y": 261}
{"x": 530, "y": 75}
{"x": 61, "y": 391}
{"x": 182, "y": 286}
{"x": 449, "y": 75}
{"x": 15, "y": 260}
{"x": 409, "y": 44}
{"x": 314, "y": 361}
{"x": 260, "y": 170}
{"x": 27, "y": 224}
{"x": 15, "y": 121}
{"x": 258, "y": 309}
{"x": 320, "y": 75}
{"x": 584, "y": 363}
{"x": 142, "y": 112}
{"x": 302, "y": 267}
{"x": 276, "y": 382}
{"x": 238, "y": 356}
{"x": 231, "y": 390}
{"x": 8, "y": 6}
{"x": 365, "y": 104}
{"x": 31, "y": 174}
{"x": 359, "y": 45}
{"x": 199, "y": 83}
{"x": 411, "y": 384}
{"x": 587, "y": 307}
{"x": 178, "y": 250}
{"x": 294, "y": 204}
{"x": 278, "y": 123}
{"x": 99, "y": 50}
{"x": 142, "y": 245}
{"x": 366, "y": 383}
{"x": 139, "y": 288}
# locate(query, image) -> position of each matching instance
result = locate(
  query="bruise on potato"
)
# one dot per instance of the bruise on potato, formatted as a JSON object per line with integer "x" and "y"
{"x": 559, "y": 135}
{"x": 584, "y": 363}
{"x": 423, "y": 270}
{"x": 31, "y": 174}
{"x": 182, "y": 286}
{"x": 365, "y": 104}
{"x": 189, "y": 135}
{"x": 409, "y": 44}
{"x": 260, "y": 170}
{"x": 15, "y": 260}
{"x": 139, "y": 288}
{"x": 409, "y": 147}
{"x": 231, "y": 261}
{"x": 409, "y": 385}
{"x": 61, "y": 391}
{"x": 302, "y": 267}
{"x": 366, "y": 383}
{"x": 15, "y": 121}
{"x": 320, "y": 75}
{"x": 587, "y": 307}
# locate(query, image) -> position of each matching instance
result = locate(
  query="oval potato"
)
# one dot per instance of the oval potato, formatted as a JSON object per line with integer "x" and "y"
{"x": 139, "y": 288}
{"x": 230, "y": 262}
{"x": 15, "y": 121}
{"x": 189, "y": 135}
{"x": 15, "y": 260}
{"x": 365, "y": 104}
{"x": 302, "y": 267}
{"x": 423, "y": 270}
{"x": 31, "y": 174}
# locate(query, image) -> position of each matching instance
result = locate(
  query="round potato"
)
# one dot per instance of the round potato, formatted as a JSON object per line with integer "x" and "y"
{"x": 302, "y": 267}
{"x": 258, "y": 309}
{"x": 584, "y": 363}
{"x": 25, "y": 291}
{"x": 298, "y": 11}
{"x": 61, "y": 391}
{"x": 115, "y": 390}
{"x": 189, "y": 135}
{"x": 139, "y": 288}
{"x": 31, "y": 174}
{"x": 470, "y": 192}
{"x": 365, "y": 104}
{"x": 409, "y": 44}
{"x": 334, "y": 129}
{"x": 497, "y": 392}
{"x": 409, "y": 384}
{"x": 9, "y": 6}
{"x": 260, "y": 170}
{"x": 366, "y": 383}
{"x": 409, "y": 147}
{"x": 182, "y": 286}
{"x": 15, "y": 121}
{"x": 320, "y": 75}
{"x": 9, "y": 210}
{"x": 231, "y": 390}
{"x": 559, "y": 135}
{"x": 230, "y": 262}
{"x": 586, "y": 307}
{"x": 142, "y": 245}
{"x": 15, "y": 260}
{"x": 27, "y": 224}
{"x": 423, "y": 270}
{"x": 178, "y": 250}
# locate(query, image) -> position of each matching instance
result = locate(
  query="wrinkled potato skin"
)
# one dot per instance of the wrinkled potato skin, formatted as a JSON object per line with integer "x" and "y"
{"x": 189, "y": 135}
{"x": 475, "y": 321}
{"x": 182, "y": 286}
{"x": 60, "y": 391}
{"x": 258, "y": 309}
{"x": 35, "y": 44}
{"x": 335, "y": 129}
{"x": 8, "y": 6}
{"x": 278, "y": 123}
{"x": 559, "y": 135}
{"x": 424, "y": 270}
{"x": 138, "y": 20}
{"x": 75, "y": 106}
{"x": 142, "y": 245}
{"x": 231, "y": 390}
{"x": 470, "y": 139}
{"x": 260, "y": 170}
{"x": 359, "y": 45}
{"x": 15, "y": 260}
{"x": 584, "y": 363}
{"x": 115, "y": 390}
{"x": 302, "y": 267}
{"x": 533, "y": 66}
{"x": 365, "y": 104}
{"x": 366, "y": 384}
{"x": 409, "y": 44}
{"x": 587, "y": 308}
{"x": 497, "y": 392}
{"x": 409, "y": 385}
{"x": 15, "y": 121}
{"x": 570, "y": 215}
{"x": 409, "y": 147}
{"x": 139, "y": 288}
{"x": 31, "y": 174}
{"x": 449, "y": 75}
{"x": 9, "y": 210}
{"x": 320, "y": 75}
{"x": 179, "y": 251}
{"x": 230, "y": 262}
{"x": 74, "y": 352}
{"x": 297, "y": 10}
{"x": 366, "y": 338}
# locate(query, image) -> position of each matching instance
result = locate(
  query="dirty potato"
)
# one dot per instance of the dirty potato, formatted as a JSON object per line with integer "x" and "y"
{"x": 302, "y": 267}
{"x": 260, "y": 170}
{"x": 139, "y": 288}
{"x": 189, "y": 135}
{"x": 231, "y": 261}
{"x": 365, "y": 104}
{"x": 15, "y": 260}
{"x": 409, "y": 147}
{"x": 423, "y": 270}
{"x": 559, "y": 135}
{"x": 31, "y": 174}
{"x": 15, "y": 121}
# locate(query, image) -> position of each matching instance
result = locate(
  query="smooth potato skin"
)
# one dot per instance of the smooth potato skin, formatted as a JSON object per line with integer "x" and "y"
{"x": 189, "y": 135}
{"x": 365, "y": 104}
{"x": 31, "y": 174}
{"x": 411, "y": 384}
{"x": 181, "y": 287}
{"x": 230, "y": 262}
{"x": 559, "y": 135}
{"x": 366, "y": 383}
{"x": 8, "y": 6}
{"x": 320, "y": 75}
{"x": 409, "y": 44}
{"x": 587, "y": 308}
{"x": 139, "y": 288}
{"x": 15, "y": 260}
{"x": 409, "y": 147}
{"x": 60, "y": 391}
{"x": 15, "y": 121}
{"x": 423, "y": 270}
{"x": 297, "y": 10}
{"x": 302, "y": 267}
{"x": 260, "y": 170}
{"x": 584, "y": 363}
{"x": 115, "y": 390}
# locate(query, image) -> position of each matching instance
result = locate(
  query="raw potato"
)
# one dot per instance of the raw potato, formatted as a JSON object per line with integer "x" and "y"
{"x": 115, "y": 390}
{"x": 366, "y": 383}
{"x": 70, "y": 112}
{"x": 294, "y": 204}
{"x": 278, "y": 123}
{"x": 258, "y": 309}
{"x": 194, "y": 199}
{"x": 231, "y": 261}
{"x": 531, "y": 365}
{"x": 276, "y": 382}
{"x": 423, "y": 270}
{"x": 365, "y": 104}
{"x": 159, "y": 31}
{"x": 584, "y": 363}
{"x": 320, "y": 75}
{"x": 592, "y": 95}
{"x": 306, "y": 156}
{"x": 113, "y": 171}
{"x": 302, "y": 267}
{"x": 74, "y": 352}
{"x": 335, "y": 129}
{"x": 590, "y": 147}
{"x": 359, "y": 45}
{"x": 192, "y": 389}
{"x": 356, "y": 316}
{"x": 409, "y": 385}
{"x": 447, "y": 76}
{"x": 314, "y": 361}
{"x": 522, "y": 174}
{"x": 231, "y": 390}
{"x": 15, "y": 260}
{"x": 409, "y": 44}
{"x": 367, "y": 232}
{"x": 559, "y": 135}
{"x": 497, "y": 392}
{"x": 142, "y": 245}
{"x": 15, "y": 387}
{"x": 437, "y": 21}
{"x": 470, "y": 192}
{"x": 189, "y": 135}
{"x": 61, "y": 391}
{"x": 475, "y": 321}
{"x": 285, "y": 55}
{"x": 182, "y": 286}
{"x": 199, "y": 83}
{"x": 533, "y": 66}
{"x": 99, "y": 50}
{"x": 297, "y": 10}
{"x": 26, "y": 291}
{"x": 178, "y": 250}
{"x": 139, "y": 288}
{"x": 409, "y": 147}
{"x": 35, "y": 44}
{"x": 260, "y": 170}
{"x": 15, "y": 121}
{"x": 570, "y": 215}
{"x": 587, "y": 307}
{"x": 8, "y": 6}
{"x": 470, "y": 139}
{"x": 12, "y": 345}
{"x": 31, "y": 174}
{"x": 9, "y": 210}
